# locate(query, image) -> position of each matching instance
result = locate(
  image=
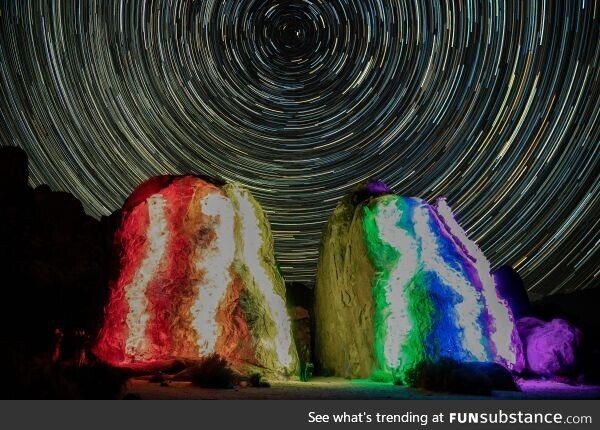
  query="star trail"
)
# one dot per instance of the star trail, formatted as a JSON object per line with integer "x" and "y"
{"x": 494, "y": 104}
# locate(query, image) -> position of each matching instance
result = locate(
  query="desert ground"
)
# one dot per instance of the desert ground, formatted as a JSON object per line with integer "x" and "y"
{"x": 342, "y": 389}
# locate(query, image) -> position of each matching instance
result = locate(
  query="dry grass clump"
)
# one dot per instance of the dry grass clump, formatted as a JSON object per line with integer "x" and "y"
{"x": 213, "y": 371}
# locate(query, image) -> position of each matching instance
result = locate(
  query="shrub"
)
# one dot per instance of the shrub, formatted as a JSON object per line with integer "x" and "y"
{"x": 256, "y": 380}
{"x": 381, "y": 376}
{"x": 212, "y": 371}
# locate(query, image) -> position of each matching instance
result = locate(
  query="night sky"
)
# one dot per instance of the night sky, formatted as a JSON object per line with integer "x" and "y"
{"x": 494, "y": 104}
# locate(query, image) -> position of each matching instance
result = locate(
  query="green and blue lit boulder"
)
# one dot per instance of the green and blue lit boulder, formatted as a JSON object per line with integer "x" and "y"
{"x": 399, "y": 283}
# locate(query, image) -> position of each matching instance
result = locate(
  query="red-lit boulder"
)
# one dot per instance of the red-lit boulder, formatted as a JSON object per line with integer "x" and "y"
{"x": 197, "y": 277}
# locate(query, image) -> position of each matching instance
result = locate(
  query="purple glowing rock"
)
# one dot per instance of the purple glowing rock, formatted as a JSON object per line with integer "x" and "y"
{"x": 376, "y": 188}
{"x": 510, "y": 286}
{"x": 551, "y": 348}
{"x": 367, "y": 190}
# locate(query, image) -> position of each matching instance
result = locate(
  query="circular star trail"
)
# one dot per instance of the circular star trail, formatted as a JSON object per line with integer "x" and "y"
{"x": 494, "y": 104}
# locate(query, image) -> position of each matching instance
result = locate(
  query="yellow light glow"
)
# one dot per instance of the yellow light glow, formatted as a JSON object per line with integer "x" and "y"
{"x": 251, "y": 247}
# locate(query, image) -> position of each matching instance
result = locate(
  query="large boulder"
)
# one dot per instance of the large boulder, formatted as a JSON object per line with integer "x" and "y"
{"x": 551, "y": 348}
{"x": 197, "y": 277}
{"x": 400, "y": 283}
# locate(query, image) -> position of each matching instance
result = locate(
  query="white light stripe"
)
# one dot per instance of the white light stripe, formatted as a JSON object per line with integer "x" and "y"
{"x": 214, "y": 262}
{"x": 398, "y": 322}
{"x": 502, "y": 326}
{"x": 252, "y": 243}
{"x": 135, "y": 292}
{"x": 469, "y": 309}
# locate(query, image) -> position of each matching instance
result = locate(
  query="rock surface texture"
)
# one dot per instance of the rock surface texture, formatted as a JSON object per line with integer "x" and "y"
{"x": 551, "y": 348}
{"x": 197, "y": 276}
{"x": 400, "y": 283}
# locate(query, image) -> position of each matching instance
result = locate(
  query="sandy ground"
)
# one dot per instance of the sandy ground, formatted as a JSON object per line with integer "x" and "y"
{"x": 336, "y": 388}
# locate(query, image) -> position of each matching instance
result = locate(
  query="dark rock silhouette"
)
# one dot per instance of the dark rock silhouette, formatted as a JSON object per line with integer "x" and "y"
{"x": 450, "y": 376}
{"x": 299, "y": 298}
{"x": 14, "y": 168}
{"x": 512, "y": 288}
{"x": 55, "y": 262}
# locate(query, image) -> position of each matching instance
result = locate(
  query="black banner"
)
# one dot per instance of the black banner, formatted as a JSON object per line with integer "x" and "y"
{"x": 289, "y": 415}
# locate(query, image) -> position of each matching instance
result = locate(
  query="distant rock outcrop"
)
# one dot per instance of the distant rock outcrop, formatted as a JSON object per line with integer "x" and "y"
{"x": 54, "y": 260}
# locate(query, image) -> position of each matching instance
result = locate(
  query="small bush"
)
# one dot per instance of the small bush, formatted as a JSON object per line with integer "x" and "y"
{"x": 256, "y": 380}
{"x": 306, "y": 372}
{"x": 381, "y": 376}
{"x": 212, "y": 371}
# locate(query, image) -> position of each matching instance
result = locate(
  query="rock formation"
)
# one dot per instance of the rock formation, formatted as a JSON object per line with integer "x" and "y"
{"x": 551, "y": 348}
{"x": 511, "y": 287}
{"x": 197, "y": 276}
{"x": 55, "y": 264}
{"x": 581, "y": 309}
{"x": 399, "y": 283}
